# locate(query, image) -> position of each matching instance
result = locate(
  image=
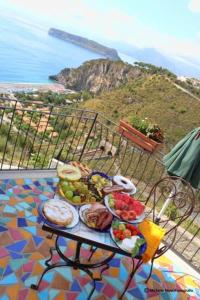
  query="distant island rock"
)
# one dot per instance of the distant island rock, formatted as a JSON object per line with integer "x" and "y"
{"x": 97, "y": 75}
{"x": 85, "y": 43}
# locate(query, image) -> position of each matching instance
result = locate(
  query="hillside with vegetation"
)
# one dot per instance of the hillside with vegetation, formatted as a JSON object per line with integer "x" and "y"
{"x": 154, "y": 97}
{"x": 119, "y": 90}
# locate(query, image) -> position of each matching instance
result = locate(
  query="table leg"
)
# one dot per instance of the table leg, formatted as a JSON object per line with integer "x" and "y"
{"x": 50, "y": 236}
{"x": 135, "y": 267}
{"x": 74, "y": 264}
{"x": 92, "y": 250}
{"x": 77, "y": 254}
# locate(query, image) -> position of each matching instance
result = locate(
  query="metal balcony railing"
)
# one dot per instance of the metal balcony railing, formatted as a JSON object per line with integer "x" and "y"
{"x": 36, "y": 136}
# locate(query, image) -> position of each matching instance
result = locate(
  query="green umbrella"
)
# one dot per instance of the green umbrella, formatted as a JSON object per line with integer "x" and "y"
{"x": 184, "y": 159}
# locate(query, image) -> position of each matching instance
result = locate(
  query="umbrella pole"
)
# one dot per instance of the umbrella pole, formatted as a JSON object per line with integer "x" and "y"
{"x": 168, "y": 201}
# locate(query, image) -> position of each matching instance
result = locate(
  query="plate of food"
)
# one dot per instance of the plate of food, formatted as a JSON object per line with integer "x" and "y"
{"x": 73, "y": 187}
{"x": 128, "y": 238}
{"x": 85, "y": 170}
{"x": 96, "y": 216}
{"x": 125, "y": 207}
{"x": 99, "y": 181}
{"x": 58, "y": 213}
{"x": 126, "y": 184}
{"x": 77, "y": 192}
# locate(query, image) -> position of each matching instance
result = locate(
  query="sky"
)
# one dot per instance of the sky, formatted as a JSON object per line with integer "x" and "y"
{"x": 169, "y": 26}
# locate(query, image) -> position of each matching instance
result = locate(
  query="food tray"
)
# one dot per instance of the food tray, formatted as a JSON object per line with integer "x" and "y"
{"x": 138, "y": 219}
{"x": 60, "y": 192}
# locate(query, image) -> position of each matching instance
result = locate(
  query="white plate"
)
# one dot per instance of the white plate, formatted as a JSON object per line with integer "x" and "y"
{"x": 132, "y": 192}
{"x": 73, "y": 210}
{"x": 81, "y": 214}
{"x": 138, "y": 219}
{"x": 81, "y": 211}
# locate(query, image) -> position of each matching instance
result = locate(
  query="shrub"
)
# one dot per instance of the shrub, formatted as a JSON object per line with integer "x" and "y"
{"x": 148, "y": 128}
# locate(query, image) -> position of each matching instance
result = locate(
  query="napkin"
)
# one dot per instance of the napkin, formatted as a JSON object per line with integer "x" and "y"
{"x": 153, "y": 235}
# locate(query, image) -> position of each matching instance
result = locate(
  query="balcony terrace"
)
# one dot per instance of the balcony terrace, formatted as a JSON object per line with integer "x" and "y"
{"x": 29, "y": 157}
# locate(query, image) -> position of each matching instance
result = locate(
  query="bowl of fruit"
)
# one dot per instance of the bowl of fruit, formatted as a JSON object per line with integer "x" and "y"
{"x": 128, "y": 238}
{"x": 73, "y": 188}
{"x": 125, "y": 207}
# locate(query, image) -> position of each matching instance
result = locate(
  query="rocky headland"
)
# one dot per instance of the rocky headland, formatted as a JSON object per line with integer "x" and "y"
{"x": 83, "y": 42}
{"x": 97, "y": 75}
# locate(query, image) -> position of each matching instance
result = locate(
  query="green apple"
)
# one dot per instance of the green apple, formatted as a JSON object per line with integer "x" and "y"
{"x": 64, "y": 184}
{"x": 69, "y": 195}
{"x": 72, "y": 188}
{"x": 76, "y": 199}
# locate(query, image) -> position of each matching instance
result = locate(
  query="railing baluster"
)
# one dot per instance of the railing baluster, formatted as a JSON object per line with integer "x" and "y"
{"x": 97, "y": 149}
{"x": 47, "y": 148}
{"x": 76, "y": 129}
{"x": 59, "y": 137}
{"x": 79, "y": 139}
{"x": 16, "y": 140}
{"x": 8, "y": 135}
{"x": 34, "y": 138}
{"x": 43, "y": 137}
{"x": 22, "y": 157}
{"x": 88, "y": 136}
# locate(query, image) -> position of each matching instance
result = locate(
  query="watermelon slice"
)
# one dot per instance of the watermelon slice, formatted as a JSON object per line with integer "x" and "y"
{"x": 138, "y": 207}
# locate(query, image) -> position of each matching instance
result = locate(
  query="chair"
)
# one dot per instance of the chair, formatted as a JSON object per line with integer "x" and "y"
{"x": 181, "y": 206}
{"x": 182, "y": 203}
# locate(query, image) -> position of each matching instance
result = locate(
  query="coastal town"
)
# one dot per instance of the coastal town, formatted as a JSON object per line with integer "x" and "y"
{"x": 10, "y": 88}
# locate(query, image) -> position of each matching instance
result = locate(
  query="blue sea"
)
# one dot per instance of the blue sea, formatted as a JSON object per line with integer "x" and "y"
{"x": 29, "y": 54}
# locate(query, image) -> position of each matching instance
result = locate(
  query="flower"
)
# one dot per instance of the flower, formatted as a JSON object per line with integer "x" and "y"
{"x": 153, "y": 131}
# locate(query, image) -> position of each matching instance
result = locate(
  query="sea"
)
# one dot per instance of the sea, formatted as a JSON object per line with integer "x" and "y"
{"x": 29, "y": 55}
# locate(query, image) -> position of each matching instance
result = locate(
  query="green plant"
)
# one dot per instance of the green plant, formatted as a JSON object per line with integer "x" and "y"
{"x": 153, "y": 131}
{"x": 86, "y": 95}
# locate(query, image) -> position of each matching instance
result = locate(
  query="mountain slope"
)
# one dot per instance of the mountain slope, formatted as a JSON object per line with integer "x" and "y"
{"x": 154, "y": 97}
{"x": 122, "y": 89}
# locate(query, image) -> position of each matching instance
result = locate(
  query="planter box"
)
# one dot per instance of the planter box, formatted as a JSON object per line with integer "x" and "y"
{"x": 137, "y": 137}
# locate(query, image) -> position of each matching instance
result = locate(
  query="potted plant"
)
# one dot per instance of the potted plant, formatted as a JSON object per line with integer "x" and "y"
{"x": 142, "y": 132}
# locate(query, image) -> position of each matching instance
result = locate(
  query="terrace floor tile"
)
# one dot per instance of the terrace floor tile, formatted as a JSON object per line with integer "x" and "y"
{"x": 24, "y": 248}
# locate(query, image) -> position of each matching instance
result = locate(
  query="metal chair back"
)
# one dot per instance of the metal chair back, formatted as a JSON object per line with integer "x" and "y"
{"x": 181, "y": 203}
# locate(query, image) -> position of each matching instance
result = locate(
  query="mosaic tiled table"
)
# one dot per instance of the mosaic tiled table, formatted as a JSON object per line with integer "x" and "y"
{"x": 24, "y": 249}
{"x": 83, "y": 235}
